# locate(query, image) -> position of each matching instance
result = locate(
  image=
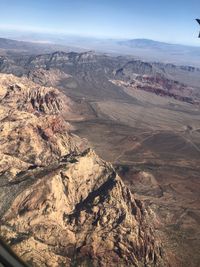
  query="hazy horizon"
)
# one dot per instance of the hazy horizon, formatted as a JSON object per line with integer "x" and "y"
{"x": 33, "y": 36}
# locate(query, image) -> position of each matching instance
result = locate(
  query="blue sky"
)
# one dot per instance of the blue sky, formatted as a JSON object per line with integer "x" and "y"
{"x": 171, "y": 21}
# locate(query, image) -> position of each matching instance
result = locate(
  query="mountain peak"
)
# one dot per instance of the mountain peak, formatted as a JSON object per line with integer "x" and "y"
{"x": 69, "y": 206}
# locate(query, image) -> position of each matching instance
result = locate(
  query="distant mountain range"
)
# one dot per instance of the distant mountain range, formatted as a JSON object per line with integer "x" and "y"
{"x": 148, "y": 43}
{"x": 139, "y": 48}
{"x": 8, "y": 46}
{"x": 150, "y": 49}
{"x": 175, "y": 49}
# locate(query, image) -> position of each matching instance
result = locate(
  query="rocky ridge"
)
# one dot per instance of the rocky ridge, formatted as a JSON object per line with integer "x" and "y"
{"x": 88, "y": 75}
{"x": 61, "y": 205}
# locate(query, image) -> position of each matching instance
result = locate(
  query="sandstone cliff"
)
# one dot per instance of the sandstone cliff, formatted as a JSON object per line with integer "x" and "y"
{"x": 60, "y": 204}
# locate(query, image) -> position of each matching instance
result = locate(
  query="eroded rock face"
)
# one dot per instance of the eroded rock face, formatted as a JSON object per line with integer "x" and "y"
{"x": 29, "y": 97}
{"x": 60, "y": 204}
{"x": 161, "y": 86}
{"x": 50, "y": 77}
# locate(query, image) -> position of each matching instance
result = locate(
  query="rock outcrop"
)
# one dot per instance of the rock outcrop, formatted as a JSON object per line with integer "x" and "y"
{"x": 60, "y": 204}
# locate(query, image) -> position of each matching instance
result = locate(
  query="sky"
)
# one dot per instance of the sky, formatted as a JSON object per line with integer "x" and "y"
{"x": 169, "y": 21}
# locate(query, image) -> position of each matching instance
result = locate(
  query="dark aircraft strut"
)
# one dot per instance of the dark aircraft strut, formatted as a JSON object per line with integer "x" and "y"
{"x": 198, "y": 20}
